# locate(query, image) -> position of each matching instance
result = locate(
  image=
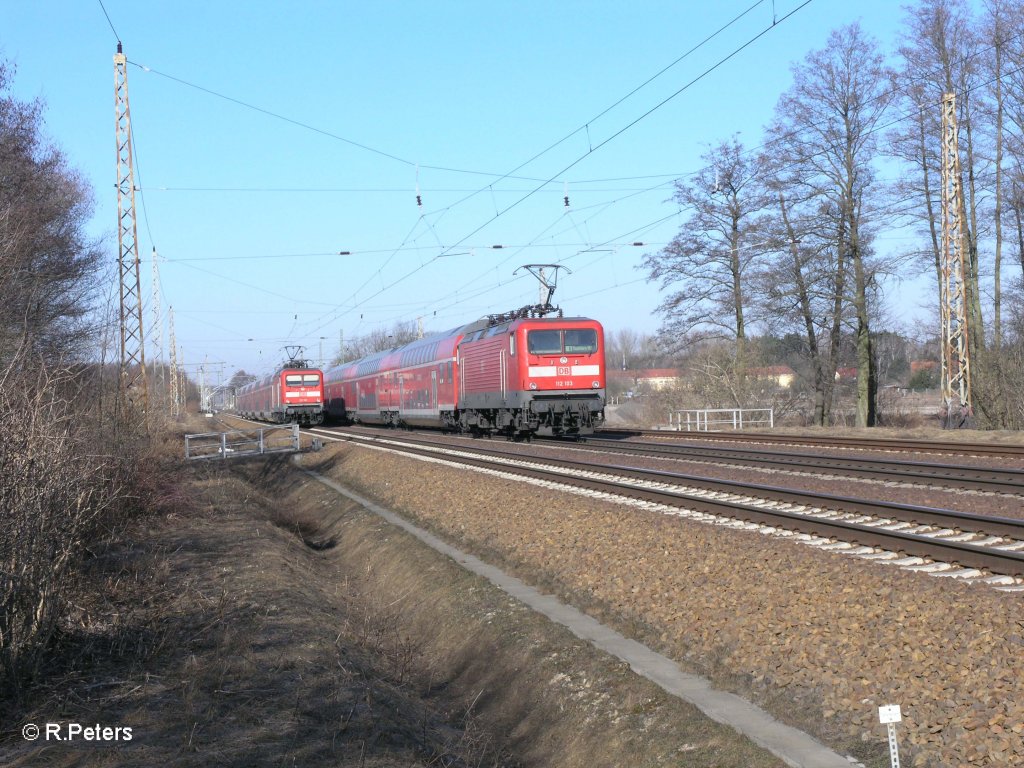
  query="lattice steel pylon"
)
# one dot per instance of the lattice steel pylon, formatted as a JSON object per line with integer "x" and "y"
{"x": 156, "y": 330}
{"x": 133, "y": 342}
{"x": 175, "y": 390}
{"x": 956, "y": 359}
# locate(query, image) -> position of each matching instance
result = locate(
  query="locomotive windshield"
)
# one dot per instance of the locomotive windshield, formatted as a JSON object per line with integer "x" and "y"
{"x": 572, "y": 341}
{"x": 297, "y": 380}
{"x": 580, "y": 341}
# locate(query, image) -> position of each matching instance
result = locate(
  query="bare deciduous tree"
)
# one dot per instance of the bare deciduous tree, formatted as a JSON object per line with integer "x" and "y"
{"x": 707, "y": 263}
{"x": 830, "y": 118}
{"x": 378, "y": 340}
{"x": 50, "y": 267}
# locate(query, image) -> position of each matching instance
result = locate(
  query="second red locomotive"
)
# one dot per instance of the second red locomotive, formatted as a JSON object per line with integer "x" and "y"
{"x": 514, "y": 374}
{"x": 291, "y": 394}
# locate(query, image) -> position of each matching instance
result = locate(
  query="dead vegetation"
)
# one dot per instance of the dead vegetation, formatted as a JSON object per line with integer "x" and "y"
{"x": 62, "y": 488}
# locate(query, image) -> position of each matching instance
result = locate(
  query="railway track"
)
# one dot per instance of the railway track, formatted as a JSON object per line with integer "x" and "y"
{"x": 995, "y": 480}
{"x": 942, "y": 447}
{"x": 943, "y": 542}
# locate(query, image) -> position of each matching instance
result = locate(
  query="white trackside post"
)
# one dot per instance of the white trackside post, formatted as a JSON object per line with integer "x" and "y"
{"x": 889, "y": 715}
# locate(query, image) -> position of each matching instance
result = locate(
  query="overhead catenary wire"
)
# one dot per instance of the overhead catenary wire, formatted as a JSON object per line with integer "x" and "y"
{"x": 313, "y": 128}
{"x": 885, "y": 126}
{"x": 538, "y": 246}
{"x": 395, "y": 157}
{"x": 586, "y": 125}
{"x": 590, "y": 151}
{"x": 407, "y": 162}
{"x": 117, "y": 36}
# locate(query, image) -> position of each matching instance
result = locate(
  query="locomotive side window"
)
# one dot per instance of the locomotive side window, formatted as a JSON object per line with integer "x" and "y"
{"x": 544, "y": 342}
{"x": 512, "y": 344}
{"x": 580, "y": 341}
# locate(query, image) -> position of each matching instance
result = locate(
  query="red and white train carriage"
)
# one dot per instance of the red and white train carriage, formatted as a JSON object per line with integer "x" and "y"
{"x": 513, "y": 374}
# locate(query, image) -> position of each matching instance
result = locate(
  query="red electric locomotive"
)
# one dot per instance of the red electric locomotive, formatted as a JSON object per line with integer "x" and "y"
{"x": 515, "y": 374}
{"x": 292, "y": 394}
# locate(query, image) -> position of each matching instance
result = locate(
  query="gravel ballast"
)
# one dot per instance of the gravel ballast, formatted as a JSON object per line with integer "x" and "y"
{"x": 821, "y": 640}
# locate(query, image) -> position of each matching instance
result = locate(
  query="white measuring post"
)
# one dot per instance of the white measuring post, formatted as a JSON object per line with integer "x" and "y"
{"x": 889, "y": 715}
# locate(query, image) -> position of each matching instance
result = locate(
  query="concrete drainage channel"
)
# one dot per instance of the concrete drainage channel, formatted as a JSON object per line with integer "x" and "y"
{"x": 790, "y": 745}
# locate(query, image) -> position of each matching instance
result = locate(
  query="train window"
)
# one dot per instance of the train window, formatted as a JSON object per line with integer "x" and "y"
{"x": 450, "y": 371}
{"x": 512, "y": 344}
{"x": 440, "y": 372}
{"x": 293, "y": 380}
{"x": 544, "y": 342}
{"x": 310, "y": 378}
{"x": 580, "y": 341}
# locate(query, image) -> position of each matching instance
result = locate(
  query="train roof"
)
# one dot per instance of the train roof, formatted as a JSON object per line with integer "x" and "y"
{"x": 263, "y": 381}
{"x": 371, "y": 363}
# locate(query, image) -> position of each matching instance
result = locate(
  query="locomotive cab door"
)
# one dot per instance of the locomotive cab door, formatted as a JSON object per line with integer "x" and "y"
{"x": 502, "y": 373}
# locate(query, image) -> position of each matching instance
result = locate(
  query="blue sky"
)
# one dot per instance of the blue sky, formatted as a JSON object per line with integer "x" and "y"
{"x": 371, "y": 102}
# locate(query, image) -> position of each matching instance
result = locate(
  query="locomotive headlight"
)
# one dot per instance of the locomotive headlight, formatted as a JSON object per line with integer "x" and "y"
{"x": 595, "y": 384}
{"x": 533, "y": 385}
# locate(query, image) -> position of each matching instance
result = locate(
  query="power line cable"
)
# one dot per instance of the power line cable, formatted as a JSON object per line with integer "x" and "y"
{"x": 109, "y": 21}
{"x": 590, "y": 151}
{"x": 313, "y": 128}
{"x": 371, "y": 190}
{"x": 408, "y": 162}
{"x": 779, "y": 139}
{"x": 586, "y": 125}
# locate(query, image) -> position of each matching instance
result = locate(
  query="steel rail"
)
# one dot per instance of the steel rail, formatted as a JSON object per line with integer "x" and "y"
{"x": 955, "y": 475}
{"x": 1012, "y": 450}
{"x": 965, "y": 554}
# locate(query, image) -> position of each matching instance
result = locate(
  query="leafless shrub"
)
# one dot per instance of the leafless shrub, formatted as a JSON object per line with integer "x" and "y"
{"x": 900, "y": 408}
{"x": 60, "y": 485}
{"x": 380, "y": 627}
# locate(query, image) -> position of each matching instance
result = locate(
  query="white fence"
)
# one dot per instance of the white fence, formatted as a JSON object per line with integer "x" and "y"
{"x": 249, "y": 442}
{"x": 719, "y": 419}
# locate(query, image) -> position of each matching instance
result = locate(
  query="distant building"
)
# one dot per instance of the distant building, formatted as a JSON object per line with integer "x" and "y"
{"x": 782, "y": 375}
{"x": 645, "y": 379}
{"x": 846, "y": 374}
{"x": 660, "y": 379}
{"x": 923, "y": 365}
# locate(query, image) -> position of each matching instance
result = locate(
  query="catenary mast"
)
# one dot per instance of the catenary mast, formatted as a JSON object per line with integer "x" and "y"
{"x": 956, "y": 361}
{"x": 133, "y": 355}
